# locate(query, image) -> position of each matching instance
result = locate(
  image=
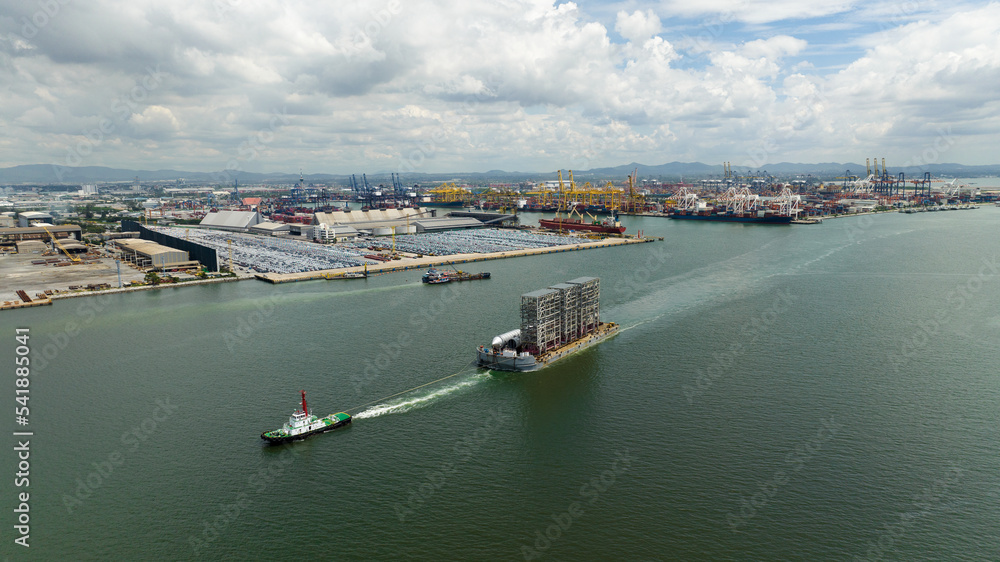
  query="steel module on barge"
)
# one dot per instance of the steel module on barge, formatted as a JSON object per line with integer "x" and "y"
{"x": 555, "y": 322}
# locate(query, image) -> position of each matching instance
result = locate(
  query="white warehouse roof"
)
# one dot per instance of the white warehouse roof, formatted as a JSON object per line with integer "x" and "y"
{"x": 371, "y": 219}
{"x": 446, "y": 223}
{"x": 231, "y": 219}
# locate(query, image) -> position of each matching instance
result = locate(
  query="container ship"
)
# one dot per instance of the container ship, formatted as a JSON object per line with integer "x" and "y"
{"x": 302, "y": 424}
{"x": 555, "y": 322}
{"x": 736, "y": 205}
{"x": 724, "y": 215}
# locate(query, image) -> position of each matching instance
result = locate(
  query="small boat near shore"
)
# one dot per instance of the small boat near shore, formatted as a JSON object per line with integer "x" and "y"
{"x": 438, "y": 276}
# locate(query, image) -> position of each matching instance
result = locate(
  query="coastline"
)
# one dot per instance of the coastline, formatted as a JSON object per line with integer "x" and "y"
{"x": 388, "y": 267}
{"x": 75, "y": 294}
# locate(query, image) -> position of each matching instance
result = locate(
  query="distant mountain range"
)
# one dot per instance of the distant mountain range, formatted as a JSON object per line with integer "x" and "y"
{"x": 823, "y": 169}
{"x": 43, "y": 174}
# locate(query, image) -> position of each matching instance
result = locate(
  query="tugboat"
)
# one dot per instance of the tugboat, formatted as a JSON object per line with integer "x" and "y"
{"x": 437, "y": 276}
{"x": 302, "y": 424}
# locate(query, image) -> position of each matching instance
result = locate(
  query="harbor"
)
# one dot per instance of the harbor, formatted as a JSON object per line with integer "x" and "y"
{"x": 721, "y": 368}
{"x": 129, "y": 266}
{"x": 306, "y": 235}
{"x": 490, "y": 281}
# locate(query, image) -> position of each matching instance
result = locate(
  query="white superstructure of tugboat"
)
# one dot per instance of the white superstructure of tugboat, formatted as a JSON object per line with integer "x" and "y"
{"x": 302, "y": 424}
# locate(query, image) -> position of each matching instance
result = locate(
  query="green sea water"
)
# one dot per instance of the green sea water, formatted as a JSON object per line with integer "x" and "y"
{"x": 824, "y": 392}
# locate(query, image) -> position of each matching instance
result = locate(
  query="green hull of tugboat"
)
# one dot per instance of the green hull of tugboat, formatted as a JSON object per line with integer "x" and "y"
{"x": 331, "y": 422}
{"x": 302, "y": 424}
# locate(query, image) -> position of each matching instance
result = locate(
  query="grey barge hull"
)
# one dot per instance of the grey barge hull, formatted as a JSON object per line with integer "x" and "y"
{"x": 525, "y": 362}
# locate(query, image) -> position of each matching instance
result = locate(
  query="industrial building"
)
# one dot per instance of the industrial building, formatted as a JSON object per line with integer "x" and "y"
{"x": 446, "y": 223}
{"x": 31, "y": 247}
{"x": 146, "y": 254}
{"x": 372, "y": 220}
{"x": 269, "y": 228}
{"x": 29, "y": 218}
{"x": 73, "y": 247}
{"x": 560, "y": 314}
{"x": 328, "y": 233}
{"x": 231, "y": 220}
{"x": 9, "y": 236}
{"x": 204, "y": 255}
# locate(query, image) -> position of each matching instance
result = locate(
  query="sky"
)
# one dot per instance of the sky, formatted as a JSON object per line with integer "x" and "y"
{"x": 518, "y": 85}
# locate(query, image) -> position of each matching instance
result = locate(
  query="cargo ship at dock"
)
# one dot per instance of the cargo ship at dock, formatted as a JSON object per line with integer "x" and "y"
{"x": 608, "y": 226}
{"x": 302, "y": 424}
{"x": 736, "y": 205}
{"x": 761, "y": 217}
{"x": 555, "y": 322}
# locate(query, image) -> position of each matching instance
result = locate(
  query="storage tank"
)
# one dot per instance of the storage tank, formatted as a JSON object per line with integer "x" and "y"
{"x": 404, "y": 229}
{"x": 381, "y": 231}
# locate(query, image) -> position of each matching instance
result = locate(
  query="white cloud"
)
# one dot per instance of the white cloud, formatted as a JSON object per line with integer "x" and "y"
{"x": 638, "y": 26}
{"x": 154, "y": 121}
{"x": 773, "y": 47}
{"x": 515, "y": 84}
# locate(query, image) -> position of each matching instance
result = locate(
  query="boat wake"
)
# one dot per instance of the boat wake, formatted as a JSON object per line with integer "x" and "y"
{"x": 405, "y": 405}
{"x": 753, "y": 272}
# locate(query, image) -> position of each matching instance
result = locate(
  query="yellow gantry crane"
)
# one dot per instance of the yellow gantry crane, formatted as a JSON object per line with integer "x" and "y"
{"x": 613, "y": 198}
{"x": 449, "y": 193}
{"x": 635, "y": 201}
{"x": 502, "y": 197}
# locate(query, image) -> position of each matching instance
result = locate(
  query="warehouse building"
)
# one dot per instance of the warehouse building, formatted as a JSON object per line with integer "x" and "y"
{"x": 327, "y": 233}
{"x": 10, "y": 236}
{"x": 446, "y": 223}
{"x": 31, "y": 247}
{"x": 370, "y": 220}
{"x": 204, "y": 255}
{"x": 231, "y": 220}
{"x": 268, "y": 228}
{"x": 145, "y": 254}
{"x": 29, "y": 218}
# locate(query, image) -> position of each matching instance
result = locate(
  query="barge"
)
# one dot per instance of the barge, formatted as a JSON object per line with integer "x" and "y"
{"x": 437, "y": 276}
{"x": 555, "y": 322}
